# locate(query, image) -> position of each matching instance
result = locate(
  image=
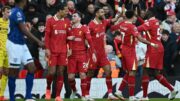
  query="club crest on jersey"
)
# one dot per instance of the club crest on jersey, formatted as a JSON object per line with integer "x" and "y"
{"x": 80, "y": 32}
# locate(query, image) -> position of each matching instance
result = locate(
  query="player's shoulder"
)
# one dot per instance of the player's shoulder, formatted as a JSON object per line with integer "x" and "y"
{"x": 92, "y": 23}
{"x": 16, "y": 11}
{"x": 67, "y": 19}
{"x": 84, "y": 26}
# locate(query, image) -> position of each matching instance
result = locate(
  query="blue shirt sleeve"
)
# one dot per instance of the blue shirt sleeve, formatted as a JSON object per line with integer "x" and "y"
{"x": 19, "y": 17}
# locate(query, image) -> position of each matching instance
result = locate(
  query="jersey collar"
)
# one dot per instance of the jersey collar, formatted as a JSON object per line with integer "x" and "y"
{"x": 78, "y": 26}
{"x": 96, "y": 22}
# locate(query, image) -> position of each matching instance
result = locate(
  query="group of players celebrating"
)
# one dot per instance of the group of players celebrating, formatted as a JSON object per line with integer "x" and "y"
{"x": 82, "y": 49}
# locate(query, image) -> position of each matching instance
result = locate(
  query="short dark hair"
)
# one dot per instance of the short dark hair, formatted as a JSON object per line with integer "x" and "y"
{"x": 18, "y": 1}
{"x": 166, "y": 32}
{"x": 60, "y": 7}
{"x": 97, "y": 9}
{"x": 129, "y": 14}
{"x": 5, "y": 7}
{"x": 151, "y": 12}
{"x": 79, "y": 14}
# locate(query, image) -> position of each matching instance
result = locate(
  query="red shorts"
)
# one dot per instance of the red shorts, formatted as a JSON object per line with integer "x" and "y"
{"x": 129, "y": 60}
{"x": 77, "y": 63}
{"x": 58, "y": 59}
{"x": 154, "y": 60}
{"x": 102, "y": 60}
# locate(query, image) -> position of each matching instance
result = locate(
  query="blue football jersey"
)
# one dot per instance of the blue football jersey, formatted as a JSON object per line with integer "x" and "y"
{"x": 15, "y": 35}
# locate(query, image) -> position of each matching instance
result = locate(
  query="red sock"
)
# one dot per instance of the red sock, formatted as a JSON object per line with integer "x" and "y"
{"x": 84, "y": 87}
{"x": 164, "y": 82}
{"x": 124, "y": 82}
{"x": 72, "y": 84}
{"x": 145, "y": 83}
{"x": 59, "y": 84}
{"x": 109, "y": 84}
{"x": 49, "y": 79}
{"x": 131, "y": 85}
{"x": 88, "y": 84}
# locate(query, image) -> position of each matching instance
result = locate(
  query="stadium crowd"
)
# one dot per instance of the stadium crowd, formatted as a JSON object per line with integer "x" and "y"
{"x": 37, "y": 12}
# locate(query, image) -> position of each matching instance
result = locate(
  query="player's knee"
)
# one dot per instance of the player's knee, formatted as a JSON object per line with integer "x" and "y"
{"x": 107, "y": 70}
{"x": 31, "y": 67}
{"x": 71, "y": 77}
{"x": 51, "y": 71}
{"x": 153, "y": 72}
{"x": 90, "y": 73}
{"x": 60, "y": 70}
{"x": 132, "y": 73}
{"x": 13, "y": 72}
{"x": 82, "y": 75}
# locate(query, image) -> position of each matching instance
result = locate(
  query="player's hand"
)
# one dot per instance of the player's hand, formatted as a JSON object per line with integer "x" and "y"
{"x": 94, "y": 57}
{"x": 71, "y": 37}
{"x": 41, "y": 44}
{"x": 154, "y": 45}
{"x": 69, "y": 53}
{"x": 47, "y": 53}
{"x": 77, "y": 39}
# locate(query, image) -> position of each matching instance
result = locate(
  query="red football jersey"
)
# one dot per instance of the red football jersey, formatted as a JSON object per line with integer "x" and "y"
{"x": 98, "y": 31}
{"x": 117, "y": 43}
{"x": 56, "y": 34}
{"x": 152, "y": 28}
{"x": 129, "y": 33}
{"x": 82, "y": 32}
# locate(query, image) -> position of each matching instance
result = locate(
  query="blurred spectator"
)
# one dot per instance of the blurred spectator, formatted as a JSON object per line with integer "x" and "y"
{"x": 143, "y": 13}
{"x": 114, "y": 61}
{"x": 83, "y": 4}
{"x": 10, "y": 3}
{"x": 141, "y": 49}
{"x": 71, "y": 8}
{"x": 107, "y": 12}
{"x": 178, "y": 10}
{"x": 32, "y": 15}
{"x": 89, "y": 15}
{"x": 170, "y": 20}
{"x": 41, "y": 31}
{"x": 170, "y": 5}
{"x": 33, "y": 48}
{"x": 175, "y": 31}
{"x": 48, "y": 7}
{"x": 3, "y": 2}
{"x": 149, "y": 3}
{"x": 1, "y": 9}
{"x": 170, "y": 49}
{"x": 101, "y": 3}
{"x": 136, "y": 5}
{"x": 159, "y": 6}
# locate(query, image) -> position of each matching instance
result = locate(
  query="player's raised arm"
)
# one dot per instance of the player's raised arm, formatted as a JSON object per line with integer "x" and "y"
{"x": 143, "y": 40}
